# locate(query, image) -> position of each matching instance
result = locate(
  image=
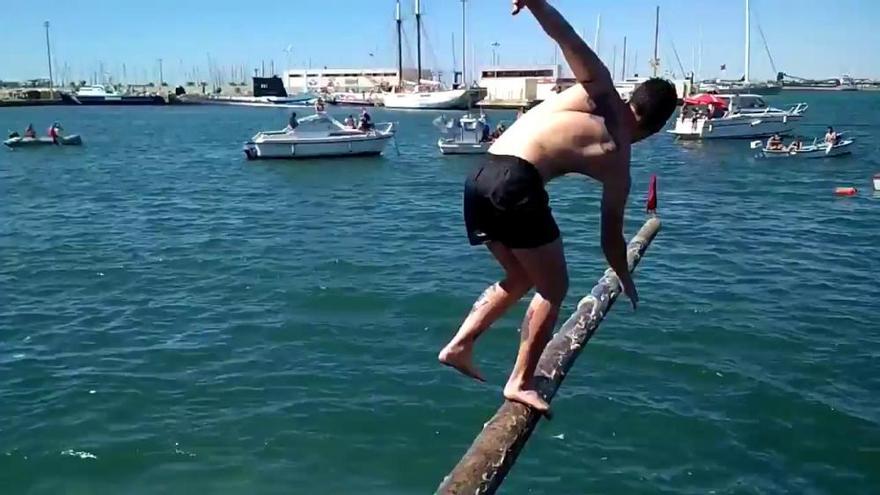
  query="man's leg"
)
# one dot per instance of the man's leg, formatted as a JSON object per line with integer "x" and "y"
{"x": 545, "y": 267}
{"x": 497, "y": 299}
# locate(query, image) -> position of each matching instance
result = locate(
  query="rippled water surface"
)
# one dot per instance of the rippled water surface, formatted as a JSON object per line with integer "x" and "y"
{"x": 175, "y": 319}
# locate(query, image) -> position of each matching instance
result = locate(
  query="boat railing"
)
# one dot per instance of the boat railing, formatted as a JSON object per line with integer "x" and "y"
{"x": 798, "y": 109}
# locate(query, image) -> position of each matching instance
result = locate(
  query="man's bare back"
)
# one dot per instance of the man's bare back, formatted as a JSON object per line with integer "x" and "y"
{"x": 572, "y": 133}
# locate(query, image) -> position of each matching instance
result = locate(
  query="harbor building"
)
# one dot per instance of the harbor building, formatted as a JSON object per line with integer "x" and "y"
{"x": 521, "y": 86}
{"x": 348, "y": 80}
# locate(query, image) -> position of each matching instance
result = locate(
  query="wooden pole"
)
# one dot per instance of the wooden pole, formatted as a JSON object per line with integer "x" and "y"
{"x": 493, "y": 453}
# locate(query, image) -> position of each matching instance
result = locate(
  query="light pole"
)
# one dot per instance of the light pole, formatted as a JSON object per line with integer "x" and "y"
{"x": 49, "y": 54}
{"x": 495, "y": 45}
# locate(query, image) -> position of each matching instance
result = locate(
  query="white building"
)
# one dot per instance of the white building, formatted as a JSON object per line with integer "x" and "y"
{"x": 521, "y": 86}
{"x": 346, "y": 80}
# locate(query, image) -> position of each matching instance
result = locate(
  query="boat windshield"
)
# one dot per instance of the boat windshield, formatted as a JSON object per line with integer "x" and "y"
{"x": 319, "y": 123}
{"x": 751, "y": 103}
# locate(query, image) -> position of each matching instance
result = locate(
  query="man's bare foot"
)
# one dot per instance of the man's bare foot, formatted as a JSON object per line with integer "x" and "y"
{"x": 460, "y": 357}
{"x": 529, "y": 398}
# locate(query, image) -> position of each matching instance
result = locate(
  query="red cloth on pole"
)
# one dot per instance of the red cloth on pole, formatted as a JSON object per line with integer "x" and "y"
{"x": 651, "y": 203}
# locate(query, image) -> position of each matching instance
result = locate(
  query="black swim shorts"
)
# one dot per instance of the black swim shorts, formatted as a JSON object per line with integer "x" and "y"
{"x": 505, "y": 201}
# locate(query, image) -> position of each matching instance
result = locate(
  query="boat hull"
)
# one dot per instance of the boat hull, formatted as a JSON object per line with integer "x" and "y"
{"x": 450, "y": 147}
{"x": 812, "y": 151}
{"x": 19, "y": 142}
{"x": 254, "y": 101}
{"x": 877, "y": 182}
{"x": 112, "y": 100}
{"x": 368, "y": 145}
{"x": 744, "y": 127}
{"x": 456, "y": 99}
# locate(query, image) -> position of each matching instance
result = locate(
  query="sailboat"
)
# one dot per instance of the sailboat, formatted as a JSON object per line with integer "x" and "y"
{"x": 626, "y": 85}
{"x": 424, "y": 94}
{"x": 746, "y": 85}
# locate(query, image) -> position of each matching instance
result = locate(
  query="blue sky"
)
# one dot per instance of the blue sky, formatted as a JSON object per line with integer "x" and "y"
{"x": 810, "y": 38}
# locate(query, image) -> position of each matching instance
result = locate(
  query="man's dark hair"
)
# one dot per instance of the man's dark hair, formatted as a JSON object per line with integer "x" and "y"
{"x": 654, "y": 102}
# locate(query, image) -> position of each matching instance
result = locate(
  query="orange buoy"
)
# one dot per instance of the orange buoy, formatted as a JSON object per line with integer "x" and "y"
{"x": 845, "y": 191}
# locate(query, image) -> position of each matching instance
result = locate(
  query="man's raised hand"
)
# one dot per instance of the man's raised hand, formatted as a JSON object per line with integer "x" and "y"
{"x": 520, "y": 4}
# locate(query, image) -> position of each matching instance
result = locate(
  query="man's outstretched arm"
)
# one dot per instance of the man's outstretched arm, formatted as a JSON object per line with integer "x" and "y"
{"x": 614, "y": 196}
{"x": 588, "y": 69}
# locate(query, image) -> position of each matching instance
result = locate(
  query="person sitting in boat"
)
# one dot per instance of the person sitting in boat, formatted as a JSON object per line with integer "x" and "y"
{"x": 485, "y": 133}
{"x": 319, "y": 105}
{"x": 292, "y": 123}
{"x": 14, "y": 134}
{"x": 499, "y": 130}
{"x": 349, "y": 121}
{"x": 795, "y": 145}
{"x": 366, "y": 122}
{"x": 30, "y": 132}
{"x": 775, "y": 142}
{"x": 831, "y": 136}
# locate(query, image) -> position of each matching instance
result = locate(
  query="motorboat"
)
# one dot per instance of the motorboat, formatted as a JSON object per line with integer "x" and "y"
{"x": 98, "y": 94}
{"x": 818, "y": 149}
{"x": 877, "y": 182}
{"x": 732, "y": 116}
{"x": 471, "y": 138}
{"x": 29, "y": 142}
{"x": 319, "y": 135}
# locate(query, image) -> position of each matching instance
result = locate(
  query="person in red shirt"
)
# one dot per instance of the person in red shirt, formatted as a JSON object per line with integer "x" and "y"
{"x": 53, "y": 132}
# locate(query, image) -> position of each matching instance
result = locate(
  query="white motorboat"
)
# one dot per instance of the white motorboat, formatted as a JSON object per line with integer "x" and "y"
{"x": 817, "y": 149}
{"x": 471, "y": 138}
{"x": 877, "y": 182}
{"x": 99, "y": 94}
{"x": 731, "y": 116}
{"x": 319, "y": 135}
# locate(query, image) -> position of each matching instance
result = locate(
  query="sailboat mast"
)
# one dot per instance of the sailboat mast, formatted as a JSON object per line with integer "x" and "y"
{"x": 418, "y": 42}
{"x": 700, "y": 58}
{"x": 454, "y": 62}
{"x": 598, "y": 29}
{"x": 656, "y": 62}
{"x": 463, "y": 42}
{"x": 748, "y": 43}
{"x": 623, "y": 68}
{"x": 399, "y": 47}
{"x": 613, "y": 61}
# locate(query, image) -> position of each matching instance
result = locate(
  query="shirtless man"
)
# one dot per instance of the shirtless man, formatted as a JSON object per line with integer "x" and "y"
{"x": 586, "y": 129}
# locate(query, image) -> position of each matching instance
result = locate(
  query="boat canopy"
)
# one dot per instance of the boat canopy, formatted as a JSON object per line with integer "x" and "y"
{"x": 706, "y": 99}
